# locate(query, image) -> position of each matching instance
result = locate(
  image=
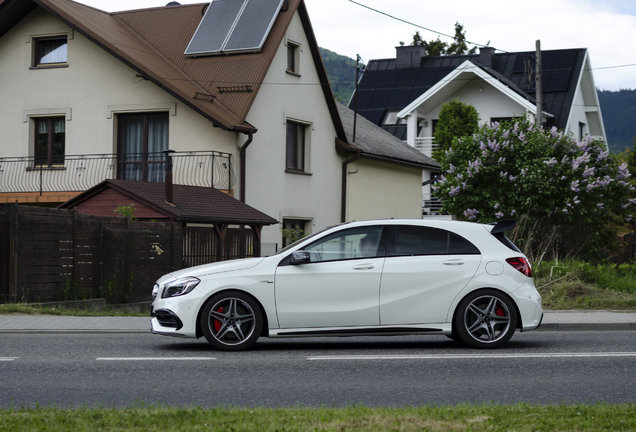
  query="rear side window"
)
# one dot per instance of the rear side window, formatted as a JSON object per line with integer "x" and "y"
{"x": 506, "y": 241}
{"x": 416, "y": 240}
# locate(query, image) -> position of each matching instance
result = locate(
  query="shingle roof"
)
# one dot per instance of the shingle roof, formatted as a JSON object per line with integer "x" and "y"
{"x": 384, "y": 87}
{"x": 191, "y": 203}
{"x": 373, "y": 140}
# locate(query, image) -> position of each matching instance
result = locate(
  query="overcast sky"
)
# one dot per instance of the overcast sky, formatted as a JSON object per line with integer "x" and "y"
{"x": 606, "y": 27}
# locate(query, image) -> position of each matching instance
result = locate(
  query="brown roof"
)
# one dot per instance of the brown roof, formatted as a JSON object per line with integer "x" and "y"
{"x": 133, "y": 38}
{"x": 191, "y": 203}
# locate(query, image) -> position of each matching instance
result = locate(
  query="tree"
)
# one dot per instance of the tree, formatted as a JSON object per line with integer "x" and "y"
{"x": 567, "y": 195}
{"x": 456, "y": 119}
{"x": 437, "y": 47}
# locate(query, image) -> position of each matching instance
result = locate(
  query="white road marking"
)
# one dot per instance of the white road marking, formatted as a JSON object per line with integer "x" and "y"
{"x": 8, "y": 358}
{"x": 153, "y": 358}
{"x": 472, "y": 356}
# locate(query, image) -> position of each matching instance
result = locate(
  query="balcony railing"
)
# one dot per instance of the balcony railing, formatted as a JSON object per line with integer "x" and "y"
{"x": 425, "y": 145}
{"x": 431, "y": 205}
{"x": 78, "y": 173}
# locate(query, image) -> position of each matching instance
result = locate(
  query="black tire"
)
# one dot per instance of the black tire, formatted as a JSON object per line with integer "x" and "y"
{"x": 231, "y": 321}
{"x": 485, "y": 319}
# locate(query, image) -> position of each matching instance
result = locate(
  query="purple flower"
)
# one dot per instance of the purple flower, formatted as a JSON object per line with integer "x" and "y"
{"x": 501, "y": 160}
{"x": 512, "y": 178}
{"x": 575, "y": 186}
{"x": 628, "y": 218}
{"x": 453, "y": 191}
{"x": 503, "y": 174}
{"x": 496, "y": 207}
{"x": 552, "y": 162}
{"x": 471, "y": 213}
{"x": 600, "y": 205}
{"x": 451, "y": 169}
{"x": 623, "y": 172}
{"x": 499, "y": 215}
{"x": 576, "y": 200}
{"x": 565, "y": 211}
{"x": 588, "y": 172}
{"x": 512, "y": 213}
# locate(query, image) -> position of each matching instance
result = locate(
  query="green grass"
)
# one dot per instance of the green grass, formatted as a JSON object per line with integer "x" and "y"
{"x": 520, "y": 417}
{"x": 26, "y": 309}
{"x": 579, "y": 285}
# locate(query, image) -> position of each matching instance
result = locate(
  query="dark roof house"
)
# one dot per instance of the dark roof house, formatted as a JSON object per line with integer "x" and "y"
{"x": 499, "y": 85}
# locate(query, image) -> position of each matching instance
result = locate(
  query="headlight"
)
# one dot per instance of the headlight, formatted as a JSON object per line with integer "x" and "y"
{"x": 155, "y": 291}
{"x": 180, "y": 287}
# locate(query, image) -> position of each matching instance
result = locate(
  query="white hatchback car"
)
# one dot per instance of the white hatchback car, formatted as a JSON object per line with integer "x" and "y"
{"x": 464, "y": 280}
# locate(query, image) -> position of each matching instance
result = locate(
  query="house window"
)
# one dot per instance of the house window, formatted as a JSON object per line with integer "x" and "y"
{"x": 50, "y": 137}
{"x": 50, "y": 51}
{"x": 141, "y": 140}
{"x": 293, "y": 229}
{"x": 295, "y": 154}
{"x": 293, "y": 58}
{"x": 581, "y": 131}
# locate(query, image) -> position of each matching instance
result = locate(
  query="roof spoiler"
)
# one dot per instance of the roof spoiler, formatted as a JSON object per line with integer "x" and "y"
{"x": 503, "y": 226}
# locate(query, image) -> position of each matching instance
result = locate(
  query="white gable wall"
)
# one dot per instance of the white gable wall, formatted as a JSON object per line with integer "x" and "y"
{"x": 88, "y": 92}
{"x": 316, "y": 197}
{"x": 487, "y": 100}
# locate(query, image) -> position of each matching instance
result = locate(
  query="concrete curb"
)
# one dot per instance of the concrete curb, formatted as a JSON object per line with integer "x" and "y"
{"x": 587, "y": 327}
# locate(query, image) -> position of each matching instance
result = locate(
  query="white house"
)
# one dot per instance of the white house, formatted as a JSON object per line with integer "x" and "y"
{"x": 237, "y": 88}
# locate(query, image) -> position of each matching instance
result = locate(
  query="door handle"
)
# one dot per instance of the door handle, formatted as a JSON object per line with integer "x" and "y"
{"x": 364, "y": 267}
{"x": 455, "y": 262}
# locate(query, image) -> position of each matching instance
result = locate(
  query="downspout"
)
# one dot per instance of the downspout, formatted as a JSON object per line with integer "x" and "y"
{"x": 345, "y": 169}
{"x": 243, "y": 155}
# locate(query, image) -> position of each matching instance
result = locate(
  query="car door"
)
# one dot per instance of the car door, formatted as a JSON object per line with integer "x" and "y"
{"x": 424, "y": 271}
{"x": 340, "y": 285}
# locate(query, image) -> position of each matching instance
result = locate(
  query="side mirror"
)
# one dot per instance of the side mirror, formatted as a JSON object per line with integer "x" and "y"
{"x": 299, "y": 257}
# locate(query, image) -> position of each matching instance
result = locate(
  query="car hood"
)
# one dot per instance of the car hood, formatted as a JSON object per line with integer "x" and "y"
{"x": 212, "y": 268}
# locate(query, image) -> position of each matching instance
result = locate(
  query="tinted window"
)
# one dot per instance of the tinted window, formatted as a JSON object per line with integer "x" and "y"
{"x": 362, "y": 242}
{"x": 506, "y": 241}
{"x": 461, "y": 246}
{"x": 414, "y": 240}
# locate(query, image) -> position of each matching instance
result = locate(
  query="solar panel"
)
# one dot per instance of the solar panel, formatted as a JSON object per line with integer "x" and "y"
{"x": 234, "y": 26}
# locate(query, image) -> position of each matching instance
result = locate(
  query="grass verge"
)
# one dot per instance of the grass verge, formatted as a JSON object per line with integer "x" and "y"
{"x": 579, "y": 285}
{"x": 520, "y": 417}
{"x": 26, "y": 309}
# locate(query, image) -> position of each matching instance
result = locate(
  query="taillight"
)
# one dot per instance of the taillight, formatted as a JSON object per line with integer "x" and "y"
{"x": 521, "y": 264}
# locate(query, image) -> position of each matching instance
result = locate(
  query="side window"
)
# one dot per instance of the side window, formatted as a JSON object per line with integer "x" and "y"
{"x": 295, "y": 154}
{"x": 417, "y": 240}
{"x": 461, "y": 246}
{"x": 414, "y": 240}
{"x": 362, "y": 242}
{"x": 51, "y": 51}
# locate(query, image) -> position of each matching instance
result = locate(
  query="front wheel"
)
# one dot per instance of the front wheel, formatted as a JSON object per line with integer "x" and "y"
{"x": 485, "y": 319}
{"x": 231, "y": 321}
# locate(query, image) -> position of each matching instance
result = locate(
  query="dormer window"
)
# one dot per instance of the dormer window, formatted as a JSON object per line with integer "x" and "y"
{"x": 50, "y": 52}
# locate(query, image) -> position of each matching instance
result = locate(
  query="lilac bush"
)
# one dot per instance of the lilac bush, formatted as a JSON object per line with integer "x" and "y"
{"x": 574, "y": 191}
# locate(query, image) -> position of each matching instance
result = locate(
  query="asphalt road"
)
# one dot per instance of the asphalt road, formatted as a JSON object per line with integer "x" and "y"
{"x": 119, "y": 370}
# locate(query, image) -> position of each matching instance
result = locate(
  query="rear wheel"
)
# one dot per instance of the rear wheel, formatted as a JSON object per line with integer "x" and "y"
{"x": 485, "y": 319}
{"x": 231, "y": 321}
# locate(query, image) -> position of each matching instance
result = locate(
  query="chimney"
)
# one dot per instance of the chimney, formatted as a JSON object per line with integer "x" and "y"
{"x": 486, "y": 55}
{"x": 168, "y": 175}
{"x": 409, "y": 56}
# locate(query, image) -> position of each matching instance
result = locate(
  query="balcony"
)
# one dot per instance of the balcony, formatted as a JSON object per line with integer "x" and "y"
{"x": 431, "y": 205}
{"x": 426, "y": 145}
{"x": 28, "y": 180}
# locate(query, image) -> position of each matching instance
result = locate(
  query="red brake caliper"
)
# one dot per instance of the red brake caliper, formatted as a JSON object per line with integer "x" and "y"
{"x": 499, "y": 311}
{"x": 217, "y": 323}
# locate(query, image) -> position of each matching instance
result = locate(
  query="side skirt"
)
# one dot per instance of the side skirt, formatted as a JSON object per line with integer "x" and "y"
{"x": 441, "y": 329}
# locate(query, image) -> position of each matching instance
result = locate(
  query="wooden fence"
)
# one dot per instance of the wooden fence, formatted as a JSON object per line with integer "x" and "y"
{"x": 56, "y": 254}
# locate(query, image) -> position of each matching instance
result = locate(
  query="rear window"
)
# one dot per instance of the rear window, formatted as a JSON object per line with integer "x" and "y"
{"x": 506, "y": 241}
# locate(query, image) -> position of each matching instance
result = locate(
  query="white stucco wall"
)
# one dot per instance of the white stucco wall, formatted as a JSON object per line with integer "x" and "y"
{"x": 378, "y": 190}
{"x": 283, "y": 195}
{"x": 489, "y": 103}
{"x": 93, "y": 86}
